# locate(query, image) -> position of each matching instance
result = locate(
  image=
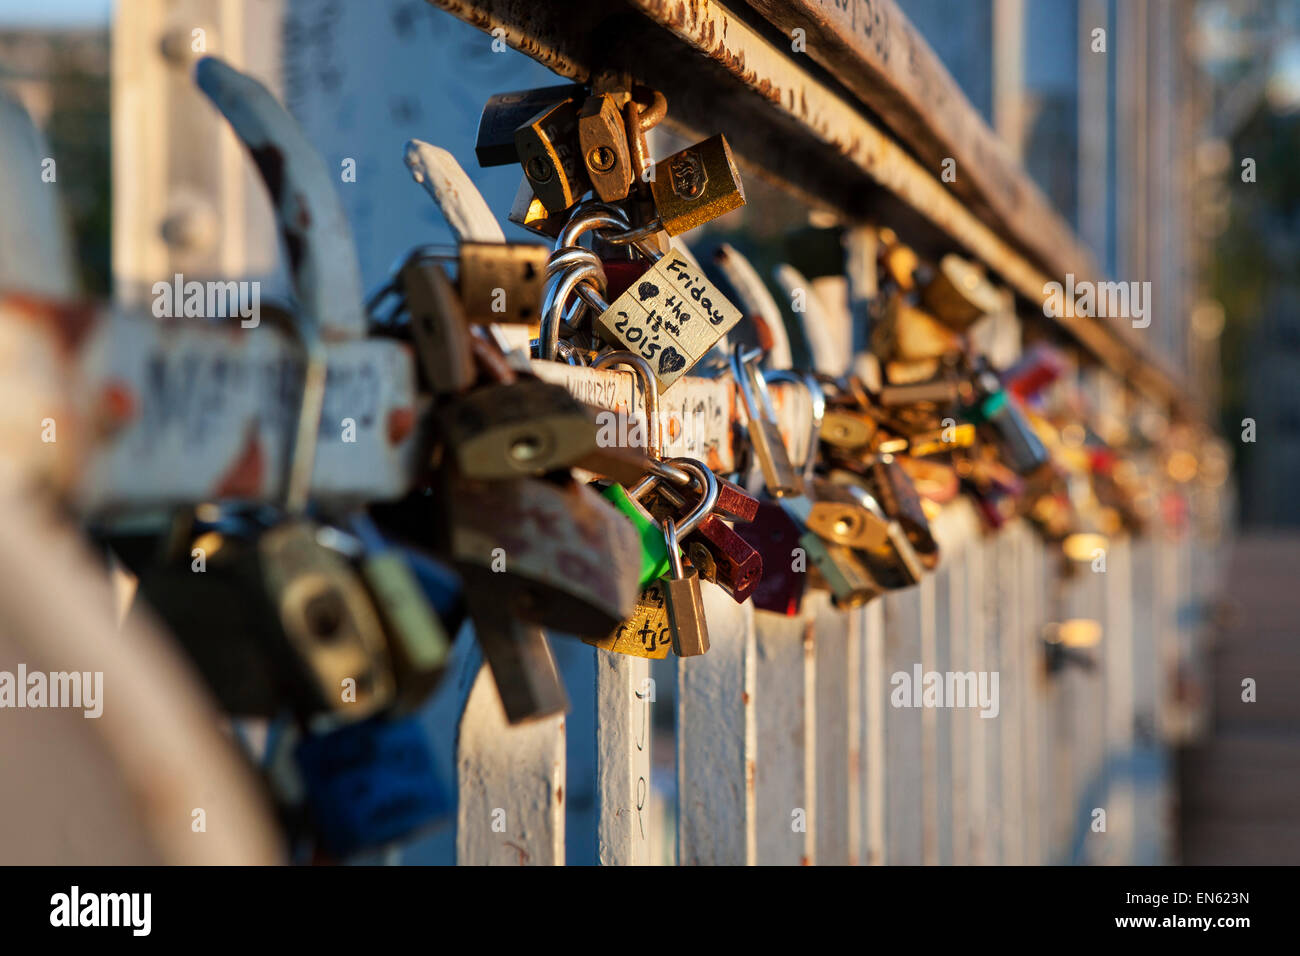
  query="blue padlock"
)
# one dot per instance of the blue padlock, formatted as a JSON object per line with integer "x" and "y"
{"x": 371, "y": 784}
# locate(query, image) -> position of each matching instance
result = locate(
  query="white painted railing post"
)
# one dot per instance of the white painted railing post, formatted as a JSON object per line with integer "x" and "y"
{"x": 511, "y": 784}
{"x": 785, "y": 789}
{"x": 903, "y": 745}
{"x": 717, "y": 740}
{"x": 624, "y": 697}
{"x": 874, "y": 703}
{"x": 834, "y": 705}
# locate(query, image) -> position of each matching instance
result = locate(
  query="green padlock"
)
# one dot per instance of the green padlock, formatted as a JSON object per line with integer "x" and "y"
{"x": 654, "y": 548}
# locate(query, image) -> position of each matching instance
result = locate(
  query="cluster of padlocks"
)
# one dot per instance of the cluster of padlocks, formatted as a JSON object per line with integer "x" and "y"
{"x": 517, "y": 513}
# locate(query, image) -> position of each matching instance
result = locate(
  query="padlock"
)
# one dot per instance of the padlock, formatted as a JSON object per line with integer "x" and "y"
{"x": 899, "y": 260}
{"x": 899, "y": 500}
{"x": 734, "y": 502}
{"x": 329, "y": 622}
{"x": 848, "y": 579}
{"x": 684, "y": 601}
{"x": 960, "y": 293}
{"x": 654, "y": 554}
{"x": 908, "y": 333}
{"x": 672, "y": 316}
{"x": 696, "y": 186}
{"x": 999, "y": 414}
{"x": 603, "y": 141}
{"x": 848, "y": 429}
{"x": 552, "y": 552}
{"x": 506, "y": 112}
{"x": 518, "y": 426}
{"x": 527, "y": 211}
{"x": 418, "y": 643}
{"x": 502, "y": 281}
{"x": 840, "y": 518}
{"x": 371, "y": 784}
{"x": 717, "y": 552}
{"x": 647, "y": 633}
{"x": 775, "y": 536}
{"x": 438, "y": 327}
{"x": 519, "y": 656}
{"x": 893, "y": 563}
{"x": 548, "y": 149}
{"x": 779, "y": 474}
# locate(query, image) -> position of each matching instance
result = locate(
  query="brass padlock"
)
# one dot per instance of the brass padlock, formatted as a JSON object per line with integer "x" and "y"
{"x": 847, "y": 578}
{"x": 646, "y": 633}
{"x": 960, "y": 293}
{"x": 847, "y": 429}
{"x": 418, "y": 644}
{"x": 684, "y": 600}
{"x": 329, "y": 621}
{"x": 438, "y": 327}
{"x": 502, "y": 281}
{"x": 548, "y": 149}
{"x": 696, "y": 185}
{"x": 839, "y": 517}
{"x": 506, "y": 112}
{"x": 527, "y": 211}
{"x": 603, "y": 141}
{"x": 518, "y": 426}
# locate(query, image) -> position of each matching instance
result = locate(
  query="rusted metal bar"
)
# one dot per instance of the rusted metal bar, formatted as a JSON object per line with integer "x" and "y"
{"x": 830, "y": 153}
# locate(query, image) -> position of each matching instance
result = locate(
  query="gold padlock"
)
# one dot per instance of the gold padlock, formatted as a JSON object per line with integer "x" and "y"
{"x": 603, "y": 141}
{"x": 502, "y": 281}
{"x": 438, "y": 327}
{"x": 647, "y": 633}
{"x": 696, "y": 185}
{"x": 549, "y": 152}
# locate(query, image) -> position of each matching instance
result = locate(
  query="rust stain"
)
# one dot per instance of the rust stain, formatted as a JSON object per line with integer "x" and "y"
{"x": 744, "y": 697}
{"x": 401, "y": 422}
{"x": 523, "y": 854}
{"x": 246, "y": 475}
{"x": 117, "y": 405}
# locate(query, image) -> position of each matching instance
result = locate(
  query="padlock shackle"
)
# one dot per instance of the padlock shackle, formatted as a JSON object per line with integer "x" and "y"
{"x": 708, "y": 501}
{"x": 817, "y": 409}
{"x": 557, "y": 295}
{"x": 645, "y": 374}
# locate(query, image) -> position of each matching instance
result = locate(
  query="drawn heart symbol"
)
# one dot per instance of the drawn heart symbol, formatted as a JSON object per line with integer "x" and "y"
{"x": 647, "y": 290}
{"x": 671, "y": 360}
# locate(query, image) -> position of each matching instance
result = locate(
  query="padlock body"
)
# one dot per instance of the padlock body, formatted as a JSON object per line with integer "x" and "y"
{"x": 547, "y": 145}
{"x": 671, "y": 317}
{"x": 696, "y": 186}
{"x": 647, "y": 633}
{"x": 371, "y": 784}
{"x": 526, "y": 427}
{"x": 502, "y": 281}
{"x": 685, "y": 604}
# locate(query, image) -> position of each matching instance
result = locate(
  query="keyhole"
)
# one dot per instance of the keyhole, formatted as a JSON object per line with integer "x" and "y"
{"x": 601, "y": 159}
{"x": 325, "y": 613}
{"x": 539, "y": 169}
{"x": 526, "y": 449}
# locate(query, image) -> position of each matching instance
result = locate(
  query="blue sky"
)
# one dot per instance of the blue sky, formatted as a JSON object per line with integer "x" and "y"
{"x": 55, "y": 12}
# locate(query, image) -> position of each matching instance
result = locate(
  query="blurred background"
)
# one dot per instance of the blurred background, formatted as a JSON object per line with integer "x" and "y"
{"x": 1183, "y": 129}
